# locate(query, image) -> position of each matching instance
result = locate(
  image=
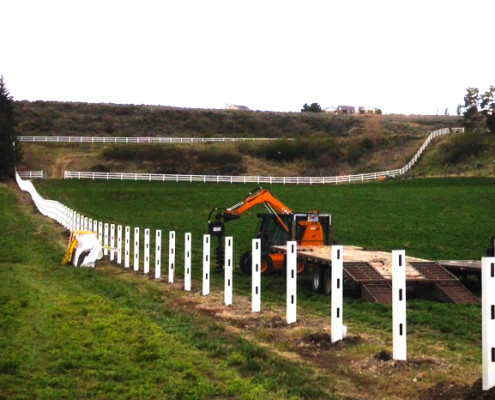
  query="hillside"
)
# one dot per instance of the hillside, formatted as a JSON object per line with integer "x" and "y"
{"x": 323, "y": 145}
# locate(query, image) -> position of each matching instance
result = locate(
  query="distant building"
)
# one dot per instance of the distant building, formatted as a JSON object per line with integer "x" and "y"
{"x": 346, "y": 110}
{"x": 330, "y": 110}
{"x": 236, "y": 107}
{"x": 366, "y": 110}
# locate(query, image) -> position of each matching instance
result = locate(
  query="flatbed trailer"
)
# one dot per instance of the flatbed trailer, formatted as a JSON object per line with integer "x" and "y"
{"x": 369, "y": 273}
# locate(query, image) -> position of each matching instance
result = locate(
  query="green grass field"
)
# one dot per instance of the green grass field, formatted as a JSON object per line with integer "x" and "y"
{"x": 100, "y": 334}
{"x": 430, "y": 218}
{"x": 108, "y": 333}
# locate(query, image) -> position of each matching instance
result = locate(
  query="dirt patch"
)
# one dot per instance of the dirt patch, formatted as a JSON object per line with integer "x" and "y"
{"x": 476, "y": 392}
{"x": 447, "y": 391}
{"x": 383, "y": 355}
{"x": 324, "y": 341}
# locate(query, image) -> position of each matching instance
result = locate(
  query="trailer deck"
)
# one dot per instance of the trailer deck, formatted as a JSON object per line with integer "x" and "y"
{"x": 371, "y": 271}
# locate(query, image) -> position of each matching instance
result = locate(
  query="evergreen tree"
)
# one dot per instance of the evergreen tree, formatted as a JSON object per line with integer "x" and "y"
{"x": 10, "y": 151}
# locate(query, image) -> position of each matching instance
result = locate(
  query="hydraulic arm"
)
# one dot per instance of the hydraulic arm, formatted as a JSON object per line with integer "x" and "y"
{"x": 254, "y": 198}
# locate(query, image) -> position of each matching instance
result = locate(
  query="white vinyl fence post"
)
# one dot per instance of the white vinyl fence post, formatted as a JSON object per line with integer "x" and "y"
{"x": 105, "y": 240}
{"x": 228, "y": 270}
{"x": 399, "y": 304}
{"x": 256, "y": 275}
{"x": 187, "y": 262}
{"x": 85, "y": 224}
{"x": 127, "y": 248}
{"x": 146, "y": 251}
{"x": 158, "y": 254}
{"x": 136, "y": 249}
{"x": 78, "y": 223}
{"x": 119, "y": 245}
{"x": 206, "y": 265}
{"x": 100, "y": 232}
{"x": 112, "y": 241}
{"x": 488, "y": 320}
{"x": 291, "y": 270}
{"x": 171, "y": 257}
{"x": 90, "y": 225}
{"x": 337, "y": 293}
{"x": 95, "y": 226}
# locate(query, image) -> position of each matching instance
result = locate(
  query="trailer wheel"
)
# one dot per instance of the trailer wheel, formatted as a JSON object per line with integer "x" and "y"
{"x": 327, "y": 281}
{"x": 317, "y": 281}
{"x": 245, "y": 262}
{"x": 266, "y": 264}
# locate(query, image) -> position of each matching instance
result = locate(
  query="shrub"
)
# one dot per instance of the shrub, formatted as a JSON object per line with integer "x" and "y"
{"x": 215, "y": 155}
{"x": 461, "y": 147}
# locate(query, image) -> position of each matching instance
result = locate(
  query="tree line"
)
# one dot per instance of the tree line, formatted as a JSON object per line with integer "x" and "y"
{"x": 10, "y": 149}
{"x": 479, "y": 109}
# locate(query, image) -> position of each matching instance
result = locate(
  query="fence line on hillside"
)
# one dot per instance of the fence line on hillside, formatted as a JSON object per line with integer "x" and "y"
{"x": 263, "y": 179}
{"x": 32, "y": 174}
{"x": 139, "y": 140}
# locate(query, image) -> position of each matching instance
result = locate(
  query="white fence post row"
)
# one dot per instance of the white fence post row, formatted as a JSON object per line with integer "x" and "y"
{"x": 112, "y": 241}
{"x": 158, "y": 254}
{"x": 206, "y": 265}
{"x": 90, "y": 225}
{"x": 100, "y": 232}
{"x": 187, "y": 262}
{"x": 337, "y": 293}
{"x": 127, "y": 247}
{"x": 228, "y": 270}
{"x": 488, "y": 320}
{"x": 95, "y": 226}
{"x": 105, "y": 240}
{"x": 256, "y": 275}
{"x": 78, "y": 222}
{"x": 291, "y": 271}
{"x": 146, "y": 251}
{"x": 86, "y": 224}
{"x": 399, "y": 304}
{"x": 119, "y": 245}
{"x": 171, "y": 257}
{"x": 136, "y": 249}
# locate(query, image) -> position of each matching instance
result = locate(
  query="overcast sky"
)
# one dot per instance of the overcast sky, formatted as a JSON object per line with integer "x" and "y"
{"x": 412, "y": 57}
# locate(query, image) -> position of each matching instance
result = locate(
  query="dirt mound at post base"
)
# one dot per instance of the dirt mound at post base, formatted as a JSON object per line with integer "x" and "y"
{"x": 476, "y": 392}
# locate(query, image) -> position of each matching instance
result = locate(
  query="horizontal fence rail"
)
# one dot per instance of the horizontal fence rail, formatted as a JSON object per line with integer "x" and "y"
{"x": 142, "y": 140}
{"x": 298, "y": 180}
{"x": 32, "y": 174}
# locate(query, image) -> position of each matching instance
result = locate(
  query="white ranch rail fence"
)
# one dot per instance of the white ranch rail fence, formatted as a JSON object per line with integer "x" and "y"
{"x": 262, "y": 179}
{"x": 49, "y": 208}
{"x": 128, "y": 139}
{"x": 32, "y": 174}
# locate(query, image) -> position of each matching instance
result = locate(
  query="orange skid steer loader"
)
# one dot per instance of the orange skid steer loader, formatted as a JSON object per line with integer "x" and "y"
{"x": 276, "y": 227}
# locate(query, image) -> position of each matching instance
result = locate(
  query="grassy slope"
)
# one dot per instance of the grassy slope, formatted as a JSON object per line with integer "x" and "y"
{"x": 331, "y": 144}
{"x": 83, "y": 333}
